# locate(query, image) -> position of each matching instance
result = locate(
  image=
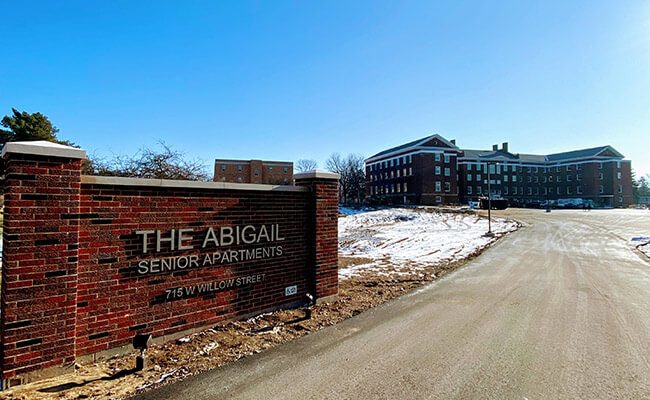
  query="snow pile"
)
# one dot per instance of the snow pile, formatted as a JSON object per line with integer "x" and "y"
{"x": 412, "y": 239}
{"x": 642, "y": 243}
{"x": 350, "y": 211}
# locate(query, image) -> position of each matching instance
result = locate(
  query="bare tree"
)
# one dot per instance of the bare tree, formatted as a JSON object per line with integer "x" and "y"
{"x": 165, "y": 163}
{"x": 351, "y": 170}
{"x": 306, "y": 165}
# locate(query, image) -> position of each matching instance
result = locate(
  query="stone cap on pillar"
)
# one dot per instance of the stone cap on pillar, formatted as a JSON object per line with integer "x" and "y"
{"x": 43, "y": 148}
{"x": 317, "y": 174}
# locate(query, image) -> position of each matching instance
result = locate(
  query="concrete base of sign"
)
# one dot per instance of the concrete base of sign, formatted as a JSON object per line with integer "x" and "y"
{"x": 327, "y": 299}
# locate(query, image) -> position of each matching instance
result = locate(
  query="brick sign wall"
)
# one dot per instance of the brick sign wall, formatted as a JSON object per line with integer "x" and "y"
{"x": 89, "y": 261}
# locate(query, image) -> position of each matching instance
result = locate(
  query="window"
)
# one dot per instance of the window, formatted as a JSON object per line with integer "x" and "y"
{"x": 239, "y": 168}
{"x": 286, "y": 170}
{"x": 618, "y": 164}
{"x": 469, "y": 167}
{"x": 528, "y": 169}
{"x": 578, "y": 177}
{"x": 550, "y": 178}
{"x": 270, "y": 168}
{"x": 505, "y": 178}
{"x": 544, "y": 179}
{"x": 537, "y": 191}
{"x": 479, "y": 190}
{"x": 535, "y": 169}
{"x": 514, "y": 178}
{"x": 257, "y": 172}
{"x": 559, "y": 178}
{"x": 600, "y": 175}
{"x": 536, "y": 179}
{"x": 469, "y": 190}
{"x": 620, "y": 189}
{"x": 447, "y": 187}
{"x": 397, "y": 173}
{"x": 620, "y": 199}
{"x": 600, "y": 165}
{"x": 568, "y": 190}
{"x": 558, "y": 190}
{"x": 408, "y": 158}
{"x": 223, "y": 167}
{"x": 545, "y": 191}
{"x": 530, "y": 178}
{"x": 618, "y": 175}
{"x": 399, "y": 188}
{"x": 437, "y": 170}
{"x": 530, "y": 191}
{"x": 579, "y": 189}
{"x": 578, "y": 167}
{"x": 447, "y": 172}
{"x": 392, "y": 188}
{"x": 557, "y": 169}
{"x": 438, "y": 186}
{"x": 405, "y": 187}
{"x": 447, "y": 158}
{"x": 505, "y": 190}
{"x": 438, "y": 199}
{"x": 568, "y": 168}
{"x": 239, "y": 179}
{"x": 601, "y": 190}
{"x": 437, "y": 157}
{"x": 478, "y": 177}
{"x": 568, "y": 178}
{"x": 410, "y": 171}
{"x": 392, "y": 174}
{"x": 469, "y": 177}
{"x": 392, "y": 163}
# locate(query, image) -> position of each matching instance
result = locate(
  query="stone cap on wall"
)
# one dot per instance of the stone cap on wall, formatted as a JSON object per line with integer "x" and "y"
{"x": 43, "y": 148}
{"x": 316, "y": 174}
{"x": 182, "y": 184}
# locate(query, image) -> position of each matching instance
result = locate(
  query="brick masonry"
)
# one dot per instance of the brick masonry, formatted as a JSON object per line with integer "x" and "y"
{"x": 70, "y": 280}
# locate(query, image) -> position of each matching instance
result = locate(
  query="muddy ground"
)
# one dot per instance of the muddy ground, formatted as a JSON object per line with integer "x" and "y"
{"x": 228, "y": 342}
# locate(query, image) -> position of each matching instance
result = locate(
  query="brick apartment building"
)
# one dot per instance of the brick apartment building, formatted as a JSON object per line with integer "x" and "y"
{"x": 253, "y": 171}
{"x": 433, "y": 170}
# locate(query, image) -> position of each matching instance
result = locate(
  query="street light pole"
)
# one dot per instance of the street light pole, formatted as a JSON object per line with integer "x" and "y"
{"x": 489, "y": 176}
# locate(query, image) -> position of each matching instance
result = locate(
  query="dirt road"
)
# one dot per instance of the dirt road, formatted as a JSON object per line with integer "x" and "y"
{"x": 559, "y": 309}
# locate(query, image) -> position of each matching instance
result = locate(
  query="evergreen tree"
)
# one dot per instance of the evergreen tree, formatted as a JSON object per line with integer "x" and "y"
{"x": 23, "y": 126}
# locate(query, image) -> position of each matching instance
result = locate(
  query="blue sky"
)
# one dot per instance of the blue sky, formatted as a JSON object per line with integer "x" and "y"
{"x": 291, "y": 80}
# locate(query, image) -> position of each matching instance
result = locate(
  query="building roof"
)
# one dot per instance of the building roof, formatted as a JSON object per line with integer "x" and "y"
{"x": 414, "y": 143}
{"x": 501, "y": 154}
{"x": 592, "y": 152}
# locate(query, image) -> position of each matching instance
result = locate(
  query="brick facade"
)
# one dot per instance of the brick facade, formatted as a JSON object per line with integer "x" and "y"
{"x": 433, "y": 171}
{"x": 72, "y": 283}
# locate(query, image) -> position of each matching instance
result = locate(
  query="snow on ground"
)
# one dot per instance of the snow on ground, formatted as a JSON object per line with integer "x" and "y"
{"x": 412, "y": 239}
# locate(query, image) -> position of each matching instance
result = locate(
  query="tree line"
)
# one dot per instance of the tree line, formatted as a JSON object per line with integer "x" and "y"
{"x": 164, "y": 162}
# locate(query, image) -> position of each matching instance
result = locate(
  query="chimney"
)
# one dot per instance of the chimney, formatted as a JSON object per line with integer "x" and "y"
{"x": 495, "y": 147}
{"x": 504, "y": 146}
{"x": 453, "y": 141}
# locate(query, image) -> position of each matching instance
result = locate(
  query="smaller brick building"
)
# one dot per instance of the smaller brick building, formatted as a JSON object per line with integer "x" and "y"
{"x": 254, "y": 171}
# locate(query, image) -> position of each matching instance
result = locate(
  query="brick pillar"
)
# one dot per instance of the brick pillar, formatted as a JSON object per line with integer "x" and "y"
{"x": 324, "y": 187}
{"x": 39, "y": 258}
